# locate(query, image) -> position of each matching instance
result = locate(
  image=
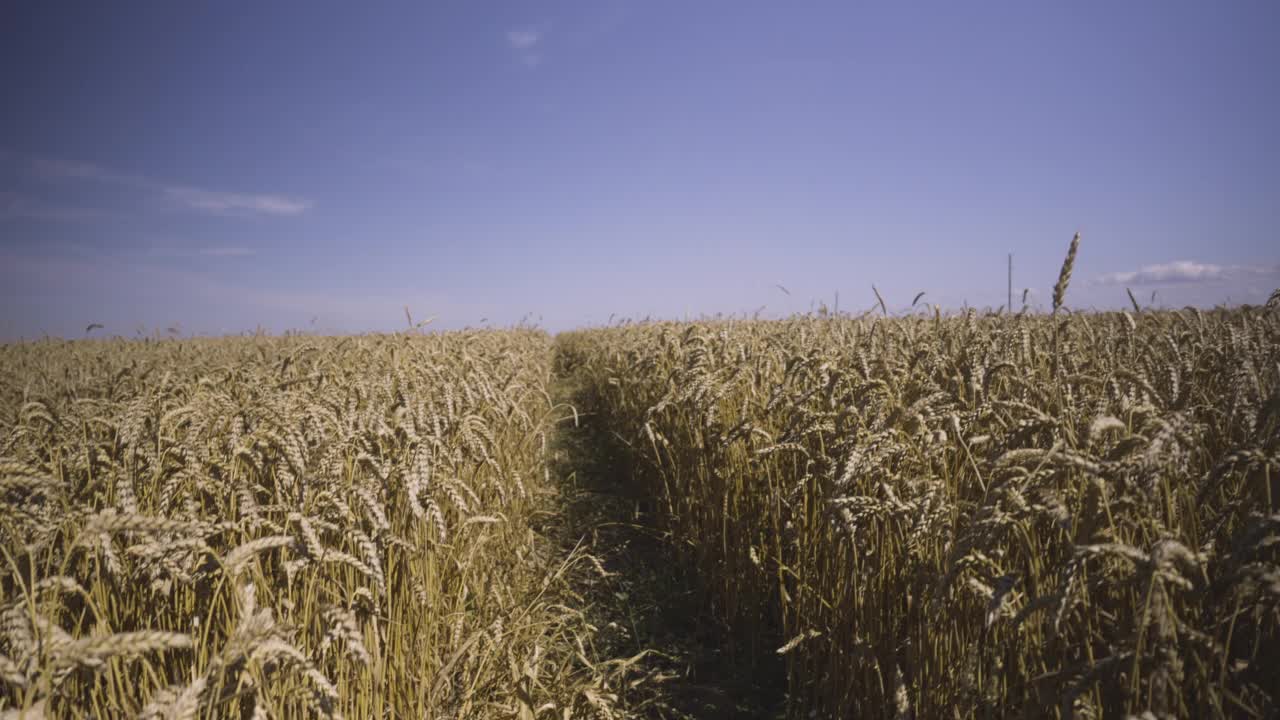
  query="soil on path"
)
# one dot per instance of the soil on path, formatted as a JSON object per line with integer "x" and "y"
{"x": 638, "y": 596}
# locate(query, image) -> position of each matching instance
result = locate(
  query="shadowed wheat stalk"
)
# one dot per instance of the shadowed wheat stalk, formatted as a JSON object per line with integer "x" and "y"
{"x": 1064, "y": 276}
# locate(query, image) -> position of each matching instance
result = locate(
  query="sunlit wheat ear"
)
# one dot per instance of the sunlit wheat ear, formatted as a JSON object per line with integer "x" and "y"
{"x": 16, "y": 476}
{"x": 343, "y": 626}
{"x": 12, "y": 673}
{"x": 1064, "y": 277}
{"x": 236, "y": 560}
{"x": 95, "y": 651}
{"x": 175, "y": 703}
{"x": 109, "y": 522}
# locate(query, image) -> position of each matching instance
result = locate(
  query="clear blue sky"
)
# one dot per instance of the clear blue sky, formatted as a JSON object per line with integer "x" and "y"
{"x": 320, "y": 165}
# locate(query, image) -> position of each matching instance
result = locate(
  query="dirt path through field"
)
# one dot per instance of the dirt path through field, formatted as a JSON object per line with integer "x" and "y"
{"x": 642, "y": 602}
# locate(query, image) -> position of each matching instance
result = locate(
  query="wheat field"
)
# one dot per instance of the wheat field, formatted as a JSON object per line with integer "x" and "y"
{"x": 285, "y": 527}
{"x": 1066, "y": 515}
{"x": 981, "y": 515}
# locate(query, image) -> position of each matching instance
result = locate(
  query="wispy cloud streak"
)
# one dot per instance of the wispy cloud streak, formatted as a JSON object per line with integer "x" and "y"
{"x": 224, "y": 202}
{"x": 525, "y": 42}
{"x": 227, "y": 252}
{"x": 17, "y": 206}
{"x": 194, "y": 198}
{"x": 523, "y": 39}
{"x": 1185, "y": 272}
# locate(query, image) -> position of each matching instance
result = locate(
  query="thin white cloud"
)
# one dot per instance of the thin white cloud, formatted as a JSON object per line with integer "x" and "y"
{"x": 526, "y": 43}
{"x": 523, "y": 39}
{"x": 1171, "y": 273}
{"x": 1189, "y": 272}
{"x": 211, "y": 201}
{"x": 226, "y": 252}
{"x": 51, "y": 169}
{"x": 224, "y": 202}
